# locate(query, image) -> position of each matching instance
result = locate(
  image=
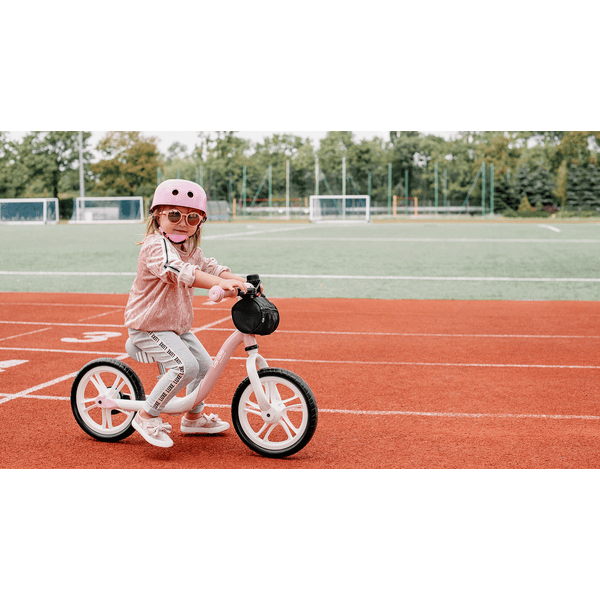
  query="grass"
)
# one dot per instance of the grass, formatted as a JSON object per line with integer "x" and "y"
{"x": 381, "y": 249}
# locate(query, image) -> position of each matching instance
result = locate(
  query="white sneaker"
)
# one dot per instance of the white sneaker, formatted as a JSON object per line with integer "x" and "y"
{"x": 205, "y": 424}
{"x": 153, "y": 430}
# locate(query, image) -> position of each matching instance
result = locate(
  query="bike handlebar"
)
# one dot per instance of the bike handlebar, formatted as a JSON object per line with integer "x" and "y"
{"x": 217, "y": 293}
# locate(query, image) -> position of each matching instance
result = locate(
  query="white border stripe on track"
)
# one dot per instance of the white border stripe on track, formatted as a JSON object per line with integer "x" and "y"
{"x": 350, "y": 277}
{"x": 402, "y": 413}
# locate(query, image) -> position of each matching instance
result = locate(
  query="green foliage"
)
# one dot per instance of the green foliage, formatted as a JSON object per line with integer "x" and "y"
{"x": 552, "y": 168}
{"x": 128, "y": 166}
{"x": 525, "y": 205}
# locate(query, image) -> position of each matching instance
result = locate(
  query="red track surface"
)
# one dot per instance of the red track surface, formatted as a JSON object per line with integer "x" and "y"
{"x": 421, "y": 384}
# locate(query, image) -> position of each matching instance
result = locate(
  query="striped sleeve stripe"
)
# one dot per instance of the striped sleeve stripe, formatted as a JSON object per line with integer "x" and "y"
{"x": 166, "y": 264}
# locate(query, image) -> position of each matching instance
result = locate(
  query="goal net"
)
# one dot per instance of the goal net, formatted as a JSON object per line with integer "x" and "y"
{"x": 23, "y": 211}
{"x": 334, "y": 208}
{"x": 121, "y": 209}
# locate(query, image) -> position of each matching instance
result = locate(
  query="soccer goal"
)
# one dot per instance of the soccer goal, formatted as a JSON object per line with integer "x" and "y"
{"x": 335, "y": 208}
{"x": 25, "y": 211}
{"x": 118, "y": 209}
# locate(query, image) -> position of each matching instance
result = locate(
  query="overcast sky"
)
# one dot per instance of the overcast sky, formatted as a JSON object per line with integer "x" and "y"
{"x": 190, "y": 138}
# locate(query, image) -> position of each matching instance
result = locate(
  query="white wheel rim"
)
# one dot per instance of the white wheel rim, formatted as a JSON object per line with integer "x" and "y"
{"x": 106, "y": 381}
{"x": 283, "y": 433}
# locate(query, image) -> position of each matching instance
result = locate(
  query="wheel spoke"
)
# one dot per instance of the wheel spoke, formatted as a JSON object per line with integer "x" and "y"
{"x": 269, "y": 431}
{"x": 294, "y": 397}
{"x": 106, "y": 418}
{"x": 98, "y": 384}
{"x": 286, "y": 423}
{"x": 115, "y": 389}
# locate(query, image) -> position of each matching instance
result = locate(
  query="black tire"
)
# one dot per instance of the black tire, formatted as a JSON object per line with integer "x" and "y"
{"x": 105, "y": 424}
{"x": 277, "y": 440}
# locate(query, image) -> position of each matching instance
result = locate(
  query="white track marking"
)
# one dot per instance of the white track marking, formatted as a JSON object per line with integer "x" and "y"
{"x": 420, "y": 278}
{"x": 550, "y": 227}
{"x": 353, "y": 277}
{"x": 10, "y": 337}
{"x": 384, "y": 413}
{"x": 38, "y": 387}
{"x": 209, "y": 325}
{"x": 60, "y": 324}
{"x": 254, "y": 232}
{"x": 53, "y": 304}
{"x": 6, "y": 364}
{"x": 433, "y": 240}
{"x": 71, "y": 273}
{"x": 423, "y": 364}
{"x": 97, "y": 353}
{"x": 401, "y": 413}
{"x": 392, "y": 334}
{"x": 110, "y": 312}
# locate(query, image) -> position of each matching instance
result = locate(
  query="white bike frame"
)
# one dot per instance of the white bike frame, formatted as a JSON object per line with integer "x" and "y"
{"x": 269, "y": 412}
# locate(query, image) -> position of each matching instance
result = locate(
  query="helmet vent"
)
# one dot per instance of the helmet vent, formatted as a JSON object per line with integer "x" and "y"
{"x": 190, "y": 194}
{"x": 175, "y": 192}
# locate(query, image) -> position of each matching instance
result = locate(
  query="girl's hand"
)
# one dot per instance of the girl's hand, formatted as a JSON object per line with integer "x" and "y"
{"x": 232, "y": 284}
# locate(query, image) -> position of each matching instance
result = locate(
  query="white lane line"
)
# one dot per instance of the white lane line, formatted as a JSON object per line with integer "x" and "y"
{"x": 38, "y": 387}
{"x": 421, "y": 278}
{"x": 11, "y": 337}
{"x": 550, "y": 227}
{"x": 71, "y": 273}
{"x": 110, "y": 312}
{"x": 209, "y": 325}
{"x": 61, "y": 324}
{"x": 212, "y": 327}
{"x": 352, "y": 277}
{"x": 51, "y": 350}
{"x": 423, "y": 364}
{"x": 434, "y": 240}
{"x": 393, "y": 334}
{"x": 385, "y": 413}
{"x": 254, "y": 232}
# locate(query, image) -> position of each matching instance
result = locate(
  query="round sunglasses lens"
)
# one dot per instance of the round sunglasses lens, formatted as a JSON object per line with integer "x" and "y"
{"x": 174, "y": 216}
{"x": 193, "y": 219}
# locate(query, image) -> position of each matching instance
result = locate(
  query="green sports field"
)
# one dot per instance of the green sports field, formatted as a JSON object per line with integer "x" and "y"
{"x": 434, "y": 260}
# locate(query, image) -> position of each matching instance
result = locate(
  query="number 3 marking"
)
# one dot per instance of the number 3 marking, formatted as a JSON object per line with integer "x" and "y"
{"x": 93, "y": 336}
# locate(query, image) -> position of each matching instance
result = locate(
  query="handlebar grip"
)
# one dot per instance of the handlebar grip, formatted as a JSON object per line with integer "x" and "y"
{"x": 217, "y": 293}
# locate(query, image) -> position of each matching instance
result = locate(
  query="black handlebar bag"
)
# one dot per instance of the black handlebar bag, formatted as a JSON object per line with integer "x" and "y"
{"x": 255, "y": 316}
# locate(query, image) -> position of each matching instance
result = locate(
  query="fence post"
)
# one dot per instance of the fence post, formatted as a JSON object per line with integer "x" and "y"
{"x": 389, "y": 188}
{"x": 483, "y": 189}
{"x": 492, "y": 188}
{"x": 244, "y": 189}
{"x": 436, "y": 188}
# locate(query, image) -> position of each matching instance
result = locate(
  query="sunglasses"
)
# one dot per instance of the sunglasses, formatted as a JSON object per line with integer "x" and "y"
{"x": 192, "y": 218}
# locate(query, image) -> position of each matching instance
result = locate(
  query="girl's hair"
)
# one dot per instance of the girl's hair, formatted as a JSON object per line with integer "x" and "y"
{"x": 152, "y": 227}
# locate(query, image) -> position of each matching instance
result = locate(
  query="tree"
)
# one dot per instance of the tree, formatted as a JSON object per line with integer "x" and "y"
{"x": 129, "y": 164}
{"x": 13, "y": 175}
{"x": 49, "y": 156}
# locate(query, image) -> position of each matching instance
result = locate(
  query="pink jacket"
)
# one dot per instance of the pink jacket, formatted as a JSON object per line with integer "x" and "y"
{"x": 162, "y": 293}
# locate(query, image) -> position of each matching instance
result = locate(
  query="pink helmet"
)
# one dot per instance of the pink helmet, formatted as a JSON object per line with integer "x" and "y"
{"x": 180, "y": 192}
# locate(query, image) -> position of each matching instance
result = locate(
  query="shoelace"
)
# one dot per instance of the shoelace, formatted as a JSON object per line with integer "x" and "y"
{"x": 156, "y": 427}
{"x": 204, "y": 420}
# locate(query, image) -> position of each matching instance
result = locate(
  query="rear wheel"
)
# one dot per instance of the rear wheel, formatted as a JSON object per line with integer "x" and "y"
{"x": 297, "y": 407}
{"x": 110, "y": 378}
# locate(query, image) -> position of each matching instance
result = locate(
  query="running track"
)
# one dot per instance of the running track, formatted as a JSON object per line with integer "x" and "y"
{"x": 399, "y": 383}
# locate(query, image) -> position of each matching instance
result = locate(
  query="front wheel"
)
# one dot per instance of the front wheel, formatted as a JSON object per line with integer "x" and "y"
{"x": 299, "y": 414}
{"x": 111, "y": 378}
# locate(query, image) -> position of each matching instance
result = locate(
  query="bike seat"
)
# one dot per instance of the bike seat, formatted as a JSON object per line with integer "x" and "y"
{"x": 137, "y": 354}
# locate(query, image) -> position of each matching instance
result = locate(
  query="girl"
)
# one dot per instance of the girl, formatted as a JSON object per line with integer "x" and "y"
{"x": 159, "y": 311}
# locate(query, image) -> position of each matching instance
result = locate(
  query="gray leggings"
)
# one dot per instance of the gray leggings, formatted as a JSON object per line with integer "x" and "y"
{"x": 185, "y": 359}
